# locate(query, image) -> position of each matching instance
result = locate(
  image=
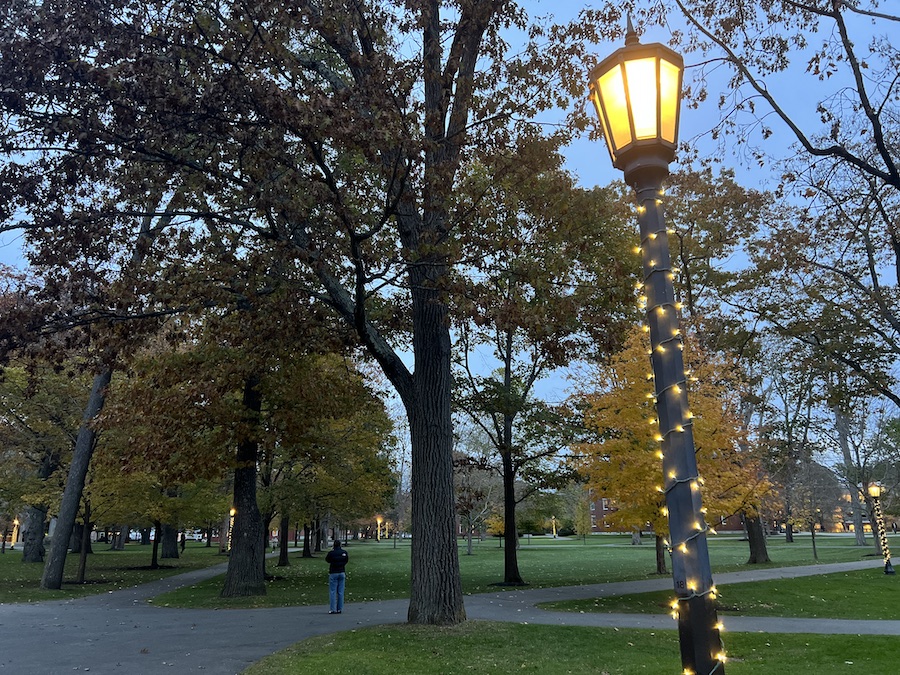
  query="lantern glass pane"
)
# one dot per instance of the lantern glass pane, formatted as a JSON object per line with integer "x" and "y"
{"x": 670, "y": 97}
{"x": 641, "y": 78}
{"x": 612, "y": 94}
{"x": 595, "y": 98}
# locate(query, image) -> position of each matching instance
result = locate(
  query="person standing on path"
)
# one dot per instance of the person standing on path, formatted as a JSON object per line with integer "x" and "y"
{"x": 337, "y": 560}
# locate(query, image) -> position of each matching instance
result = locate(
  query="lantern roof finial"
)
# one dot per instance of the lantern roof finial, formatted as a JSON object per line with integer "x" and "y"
{"x": 631, "y": 37}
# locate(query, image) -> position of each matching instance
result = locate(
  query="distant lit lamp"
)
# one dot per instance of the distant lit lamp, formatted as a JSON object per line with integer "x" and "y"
{"x": 875, "y": 494}
{"x": 637, "y": 94}
{"x": 553, "y": 525}
{"x": 231, "y": 514}
{"x": 378, "y": 520}
{"x": 15, "y": 533}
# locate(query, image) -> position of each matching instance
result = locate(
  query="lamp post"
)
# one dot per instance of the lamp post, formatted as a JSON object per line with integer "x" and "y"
{"x": 636, "y": 92}
{"x": 15, "y": 533}
{"x": 231, "y": 515}
{"x": 553, "y": 525}
{"x": 378, "y": 520}
{"x": 875, "y": 494}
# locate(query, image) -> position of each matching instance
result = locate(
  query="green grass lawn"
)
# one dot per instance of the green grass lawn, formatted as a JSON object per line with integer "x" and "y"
{"x": 106, "y": 571}
{"x": 493, "y": 648}
{"x": 381, "y": 571}
{"x": 378, "y": 571}
{"x": 863, "y": 594}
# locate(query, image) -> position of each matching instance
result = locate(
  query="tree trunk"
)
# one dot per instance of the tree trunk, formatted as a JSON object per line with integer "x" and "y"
{"x": 246, "y": 563}
{"x": 85, "y": 545}
{"x": 145, "y": 536}
{"x": 660, "y": 555}
{"x": 81, "y": 457}
{"x": 756, "y": 538}
{"x": 469, "y": 539}
{"x": 154, "y": 556}
{"x": 78, "y": 541}
{"x": 169, "y": 541}
{"x": 436, "y": 591}
{"x": 120, "y": 538}
{"x": 511, "y": 575}
{"x": 789, "y": 532}
{"x": 318, "y": 532}
{"x": 812, "y": 532}
{"x": 841, "y": 425}
{"x": 283, "y": 526}
{"x": 33, "y": 534}
{"x": 307, "y": 536}
{"x": 636, "y": 538}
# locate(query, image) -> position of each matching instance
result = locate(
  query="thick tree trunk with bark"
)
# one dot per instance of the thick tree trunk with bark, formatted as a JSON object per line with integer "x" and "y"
{"x": 169, "y": 541}
{"x": 660, "y": 555}
{"x": 246, "y": 563}
{"x": 33, "y": 534}
{"x": 145, "y": 536}
{"x": 756, "y": 538}
{"x": 84, "y": 448}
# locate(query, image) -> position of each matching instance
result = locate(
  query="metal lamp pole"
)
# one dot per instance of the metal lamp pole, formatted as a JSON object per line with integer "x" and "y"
{"x": 875, "y": 494}
{"x": 636, "y": 92}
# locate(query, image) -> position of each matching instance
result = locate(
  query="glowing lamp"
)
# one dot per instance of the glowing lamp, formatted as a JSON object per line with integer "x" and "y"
{"x": 875, "y": 491}
{"x": 636, "y": 91}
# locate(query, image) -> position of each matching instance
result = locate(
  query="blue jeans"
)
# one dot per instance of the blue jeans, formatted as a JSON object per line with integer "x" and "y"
{"x": 336, "y": 591}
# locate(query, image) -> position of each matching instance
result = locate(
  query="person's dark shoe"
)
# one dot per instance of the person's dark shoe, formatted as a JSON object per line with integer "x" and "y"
{"x": 331, "y": 612}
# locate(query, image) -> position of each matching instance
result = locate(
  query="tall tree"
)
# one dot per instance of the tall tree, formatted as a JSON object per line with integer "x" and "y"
{"x": 310, "y": 131}
{"x": 624, "y": 462}
{"x": 555, "y": 290}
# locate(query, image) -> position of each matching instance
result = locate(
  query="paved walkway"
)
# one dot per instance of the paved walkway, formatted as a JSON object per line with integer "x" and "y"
{"x": 120, "y": 633}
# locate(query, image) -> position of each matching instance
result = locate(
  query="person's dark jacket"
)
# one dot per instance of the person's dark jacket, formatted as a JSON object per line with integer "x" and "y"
{"x": 337, "y": 559}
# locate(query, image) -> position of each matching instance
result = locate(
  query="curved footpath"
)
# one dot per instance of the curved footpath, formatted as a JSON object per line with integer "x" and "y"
{"x": 119, "y": 632}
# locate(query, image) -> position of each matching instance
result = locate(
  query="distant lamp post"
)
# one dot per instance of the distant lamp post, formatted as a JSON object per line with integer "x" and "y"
{"x": 231, "y": 514}
{"x": 636, "y": 92}
{"x": 553, "y": 525}
{"x": 15, "y": 533}
{"x": 875, "y": 494}
{"x": 378, "y": 520}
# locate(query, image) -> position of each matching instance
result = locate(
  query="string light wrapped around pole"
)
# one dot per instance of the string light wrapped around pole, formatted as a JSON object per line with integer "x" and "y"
{"x": 875, "y": 494}
{"x": 636, "y": 92}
